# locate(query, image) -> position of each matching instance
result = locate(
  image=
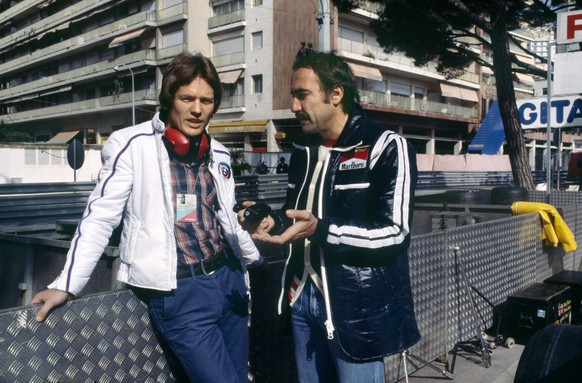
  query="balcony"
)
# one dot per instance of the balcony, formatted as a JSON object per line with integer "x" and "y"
{"x": 101, "y": 34}
{"x": 169, "y": 52}
{"x": 397, "y": 60}
{"x": 82, "y": 107}
{"x": 85, "y": 73}
{"x": 408, "y": 103}
{"x": 230, "y": 59}
{"x": 50, "y": 22}
{"x": 370, "y": 7}
{"x": 170, "y": 14}
{"x": 231, "y": 102}
{"x": 226, "y": 19}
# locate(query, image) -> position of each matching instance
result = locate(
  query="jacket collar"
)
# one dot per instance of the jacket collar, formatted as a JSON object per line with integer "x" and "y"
{"x": 350, "y": 135}
{"x": 159, "y": 125}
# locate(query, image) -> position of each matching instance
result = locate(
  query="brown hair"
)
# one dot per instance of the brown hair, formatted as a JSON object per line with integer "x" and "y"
{"x": 332, "y": 71}
{"x": 182, "y": 70}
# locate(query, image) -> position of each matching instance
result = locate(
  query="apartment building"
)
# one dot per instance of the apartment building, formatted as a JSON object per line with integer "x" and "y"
{"x": 88, "y": 68}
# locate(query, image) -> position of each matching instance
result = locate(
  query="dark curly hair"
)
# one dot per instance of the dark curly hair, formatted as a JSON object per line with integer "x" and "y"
{"x": 332, "y": 71}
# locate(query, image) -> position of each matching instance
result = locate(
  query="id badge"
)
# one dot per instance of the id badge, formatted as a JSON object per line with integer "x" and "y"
{"x": 186, "y": 208}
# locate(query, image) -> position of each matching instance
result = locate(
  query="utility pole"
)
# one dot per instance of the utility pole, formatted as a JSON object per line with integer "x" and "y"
{"x": 324, "y": 23}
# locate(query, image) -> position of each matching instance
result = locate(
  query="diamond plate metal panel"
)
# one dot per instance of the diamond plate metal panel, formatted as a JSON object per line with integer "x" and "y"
{"x": 498, "y": 258}
{"x": 100, "y": 338}
{"x": 570, "y": 215}
{"x": 427, "y": 278}
{"x": 557, "y": 198}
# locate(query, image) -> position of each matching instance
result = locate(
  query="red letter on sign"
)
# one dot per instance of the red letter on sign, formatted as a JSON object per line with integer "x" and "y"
{"x": 572, "y": 26}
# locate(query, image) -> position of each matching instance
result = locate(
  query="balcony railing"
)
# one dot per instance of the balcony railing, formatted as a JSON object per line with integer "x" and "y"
{"x": 370, "y": 7}
{"x": 81, "y": 107}
{"x": 77, "y": 42}
{"x": 177, "y": 10}
{"x": 408, "y": 103}
{"x": 398, "y": 59}
{"x": 83, "y": 73}
{"x": 50, "y": 22}
{"x": 172, "y": 51}
{"x": 230, "y": 59}
{"x": 229, "y": 102}
{"x": 229, "y": 18}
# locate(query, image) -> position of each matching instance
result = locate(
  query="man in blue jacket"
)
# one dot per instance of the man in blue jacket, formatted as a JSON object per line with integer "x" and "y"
{"x": 347, "y": 220}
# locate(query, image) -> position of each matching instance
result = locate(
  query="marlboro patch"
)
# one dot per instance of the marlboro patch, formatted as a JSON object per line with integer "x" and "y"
{"x": 354, "y": 159}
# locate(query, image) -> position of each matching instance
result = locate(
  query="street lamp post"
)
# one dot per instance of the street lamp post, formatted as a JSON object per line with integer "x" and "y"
{"x": 119, "y": 68}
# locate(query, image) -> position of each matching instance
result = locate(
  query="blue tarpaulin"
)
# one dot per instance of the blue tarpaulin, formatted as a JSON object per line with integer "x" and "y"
{"x": 490, "y": 135}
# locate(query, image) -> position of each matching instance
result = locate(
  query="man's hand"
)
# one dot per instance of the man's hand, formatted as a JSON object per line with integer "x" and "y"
{"x": 50, "y": 299}
{"x": 263, "y": 226}
{"x": 304, "y": 226}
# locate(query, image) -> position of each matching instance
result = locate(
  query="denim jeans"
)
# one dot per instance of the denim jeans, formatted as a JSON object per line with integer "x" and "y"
{"x": 318, "y": 358}
{"x": 205, "y": 323}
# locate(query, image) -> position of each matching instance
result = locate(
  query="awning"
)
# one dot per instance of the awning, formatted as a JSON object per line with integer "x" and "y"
{"x": 458, "y": 92}
{"x": 63, "y": 137}
{"x": 64, "y": 25}
{"x": 366, "y": 72}
{"x": 451, "y": 91}
{"x": 469, "y": 94}
{"x": 249, "y": 126}
{"x": 230, "y": 77}
{"x": 524, "y": 78}
{"x": 119, "y": 40}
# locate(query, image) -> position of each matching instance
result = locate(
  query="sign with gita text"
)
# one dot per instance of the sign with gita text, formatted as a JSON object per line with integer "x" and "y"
{"x": 565, "y": 112}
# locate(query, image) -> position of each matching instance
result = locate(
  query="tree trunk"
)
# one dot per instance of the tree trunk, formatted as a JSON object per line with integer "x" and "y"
{"x": 506, "y": 99}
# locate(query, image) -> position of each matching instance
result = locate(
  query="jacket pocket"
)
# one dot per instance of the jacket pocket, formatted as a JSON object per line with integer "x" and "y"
{"x": 131, "y": 239}
{"x": 350, "y": 198}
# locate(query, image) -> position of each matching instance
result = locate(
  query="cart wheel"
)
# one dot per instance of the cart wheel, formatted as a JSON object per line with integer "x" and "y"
{"x": 492, "y": 345}
{"x": 510, "y": 342}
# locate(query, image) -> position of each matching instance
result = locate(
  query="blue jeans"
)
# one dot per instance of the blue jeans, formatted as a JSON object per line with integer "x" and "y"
{"x": 318, "y": 358}
{"x": 205, "y": 323}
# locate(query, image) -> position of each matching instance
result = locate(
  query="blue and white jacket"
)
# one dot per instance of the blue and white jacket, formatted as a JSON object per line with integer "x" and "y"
{"x": 135, "y": 186}
{"x": 364, "y": 204}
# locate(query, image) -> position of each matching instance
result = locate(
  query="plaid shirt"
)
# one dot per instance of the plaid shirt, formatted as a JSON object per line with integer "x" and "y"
{"x": 203, "y": 238}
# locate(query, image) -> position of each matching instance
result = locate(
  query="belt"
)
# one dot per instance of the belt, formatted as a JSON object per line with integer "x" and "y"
{"x": 205, "y": 267}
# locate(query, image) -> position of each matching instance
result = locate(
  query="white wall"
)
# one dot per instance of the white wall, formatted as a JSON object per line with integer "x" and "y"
{"x": 30, "y": 163}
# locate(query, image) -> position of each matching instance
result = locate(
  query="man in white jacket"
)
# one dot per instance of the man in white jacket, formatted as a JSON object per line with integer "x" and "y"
{"x": 182, "y": 250}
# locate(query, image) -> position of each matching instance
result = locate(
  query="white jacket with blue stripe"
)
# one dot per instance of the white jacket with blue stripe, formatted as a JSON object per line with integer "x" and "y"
{"x": 135, "y": 185}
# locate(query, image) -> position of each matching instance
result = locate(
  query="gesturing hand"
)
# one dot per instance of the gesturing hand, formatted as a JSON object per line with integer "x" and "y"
{"x": 304, "y": 226}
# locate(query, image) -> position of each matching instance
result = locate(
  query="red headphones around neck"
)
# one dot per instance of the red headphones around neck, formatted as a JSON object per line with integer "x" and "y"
{"x": 183, "y": 146}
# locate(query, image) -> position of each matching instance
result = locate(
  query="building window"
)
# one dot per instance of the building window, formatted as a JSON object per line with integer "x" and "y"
{"x": 257, "y": 41}
{"x": 172, "y": 38}
{"x": 258, "y": 83}
{"x": 351, "y": 34}
{"x": 257, "y": 3}
{"x": 229, "y": 46}
{"x": 229, "y": 7}
{"x": 400, "y": 89}
{"x": 418, "y": 92}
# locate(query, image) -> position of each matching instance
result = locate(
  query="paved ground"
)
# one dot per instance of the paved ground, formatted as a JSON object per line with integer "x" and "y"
{"x": 469, "y": 368}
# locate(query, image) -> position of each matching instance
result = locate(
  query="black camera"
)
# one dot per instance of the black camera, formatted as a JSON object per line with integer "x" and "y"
{"x": 255, "y": 213}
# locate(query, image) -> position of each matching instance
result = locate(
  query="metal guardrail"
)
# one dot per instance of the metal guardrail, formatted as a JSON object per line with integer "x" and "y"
{"x": 462, "y": 179}
{"x": 269, "y": 188}
{"x": 22, "y": 204}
